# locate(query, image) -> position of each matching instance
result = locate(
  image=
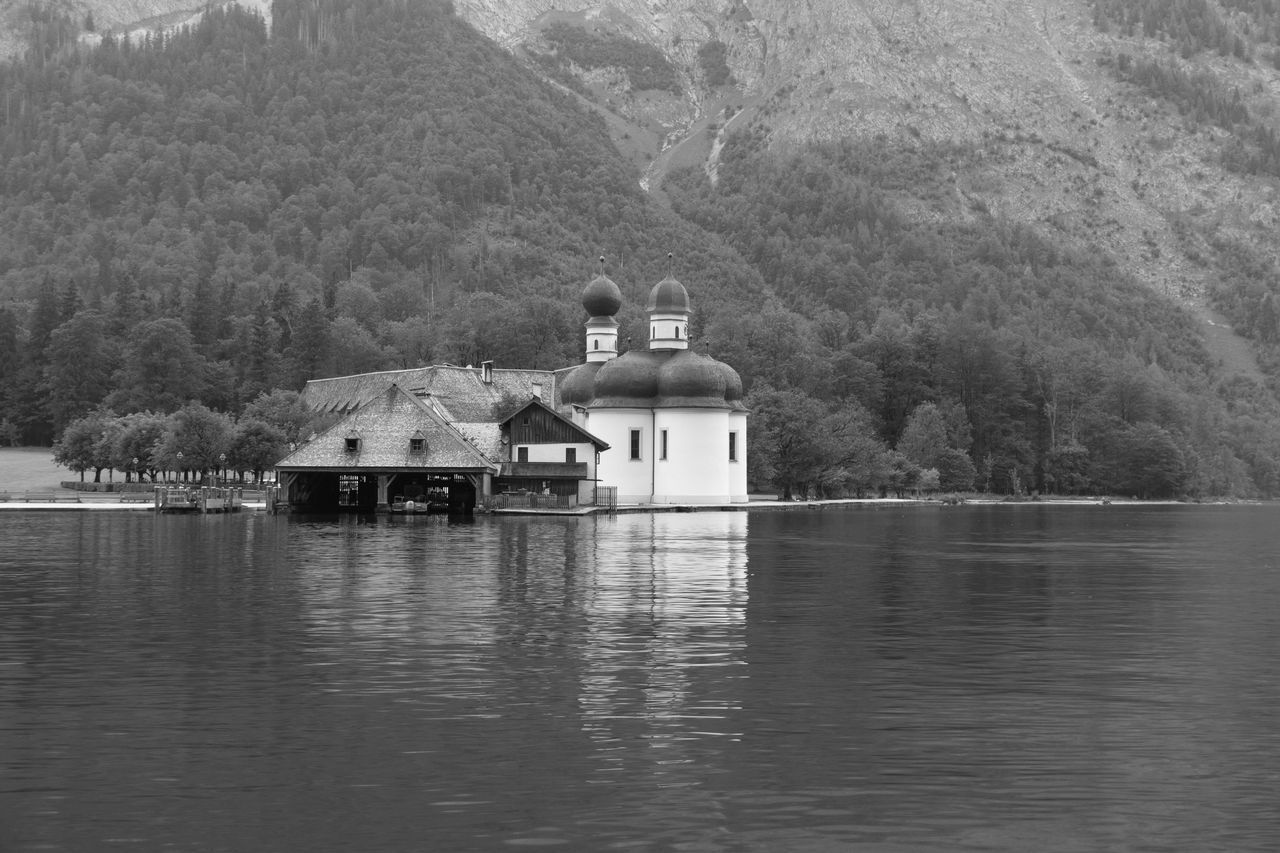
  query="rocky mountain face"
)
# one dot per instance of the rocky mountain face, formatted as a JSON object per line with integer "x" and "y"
{"x": 1025, "y": 89}
{"x": 1049, "y": 134}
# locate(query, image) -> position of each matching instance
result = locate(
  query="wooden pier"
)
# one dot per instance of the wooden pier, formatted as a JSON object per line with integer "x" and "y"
{"x": 200, "y": 499}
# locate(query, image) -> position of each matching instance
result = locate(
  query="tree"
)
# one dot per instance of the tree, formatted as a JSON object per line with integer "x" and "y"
{"x": 162, "y": 369}
{"x": 1148, "y": 463}
{"x": 196, "y": 440}
{"x": 924, "y": 437}
{"x": 255, "y": 446}
{"x": 956, "y": 471}
{"x": 82, "y": 447}
{"x": 138, "y": 442}
{"x": 284, "y": 410}
{"x": 789, "y": 444}
{"x": 78, "y": 369}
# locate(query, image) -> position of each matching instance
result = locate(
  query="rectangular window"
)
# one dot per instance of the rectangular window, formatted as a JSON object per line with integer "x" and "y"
{"x": 417, "y": 445}
{"x": 635, "y": 444}
{"x": 733, "y": 447}
{"x": 663, "y": 439}
{"x": 522, "y": 454}
{"x": 353, "y": 445}
{"x": 571, "y": 455}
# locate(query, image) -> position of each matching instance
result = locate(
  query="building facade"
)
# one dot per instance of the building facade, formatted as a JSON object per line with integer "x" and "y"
{"x": 674, "y": 418}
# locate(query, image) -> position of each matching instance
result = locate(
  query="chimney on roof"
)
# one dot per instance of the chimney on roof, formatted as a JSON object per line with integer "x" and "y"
{"x": 486, "y": 372}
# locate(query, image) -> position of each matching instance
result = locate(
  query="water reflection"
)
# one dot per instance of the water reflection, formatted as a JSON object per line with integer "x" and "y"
{"x": 1003, "y": 678}
{"x": 663, "y": 644}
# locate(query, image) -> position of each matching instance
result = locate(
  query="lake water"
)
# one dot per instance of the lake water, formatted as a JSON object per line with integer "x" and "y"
{"x": 1005, "y": 678}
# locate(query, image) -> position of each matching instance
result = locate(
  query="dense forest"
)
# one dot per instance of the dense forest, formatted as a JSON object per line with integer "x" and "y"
{"x": 192, "y": 226}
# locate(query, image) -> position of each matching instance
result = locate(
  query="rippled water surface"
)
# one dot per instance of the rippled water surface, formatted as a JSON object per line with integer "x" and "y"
{"x": 890, "y": 679}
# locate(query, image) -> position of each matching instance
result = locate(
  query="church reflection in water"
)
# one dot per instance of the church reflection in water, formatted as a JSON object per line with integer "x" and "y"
{"x": 619, "y": 640}
{"x": 663, "y": 646}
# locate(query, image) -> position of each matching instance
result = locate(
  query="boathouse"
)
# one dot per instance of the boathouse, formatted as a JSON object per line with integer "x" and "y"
{"x": 449, "y": 437}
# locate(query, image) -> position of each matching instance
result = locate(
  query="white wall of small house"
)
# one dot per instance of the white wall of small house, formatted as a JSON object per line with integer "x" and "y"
{"x": 586, "y": 452}
{"x": 696, "y": 465}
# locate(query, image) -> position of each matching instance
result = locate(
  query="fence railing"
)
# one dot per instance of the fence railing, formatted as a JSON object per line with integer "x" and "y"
{"x": 518, "y": 500}
{"x": 607, "y": 496}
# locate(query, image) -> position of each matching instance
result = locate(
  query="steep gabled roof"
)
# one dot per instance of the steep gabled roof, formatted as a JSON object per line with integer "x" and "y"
{"x": 600, "y": 444}
{"x": 460, "y": 393}
{"x": 384, "y": 426}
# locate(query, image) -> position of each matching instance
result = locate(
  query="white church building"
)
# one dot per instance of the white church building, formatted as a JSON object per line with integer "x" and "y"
{"x": 673, "y": 418}
{"x": 659, "y": 425}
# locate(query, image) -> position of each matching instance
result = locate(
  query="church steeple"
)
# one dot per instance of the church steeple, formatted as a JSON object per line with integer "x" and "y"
{"x": 668, "y": 314}
{"x": 602, "y": 299}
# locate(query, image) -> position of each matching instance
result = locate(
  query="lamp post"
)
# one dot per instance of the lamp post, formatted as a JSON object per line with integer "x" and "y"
{"x": 222, "y": 463}
{"x": 180, "y": 470}
{"x": 136, "y": 474}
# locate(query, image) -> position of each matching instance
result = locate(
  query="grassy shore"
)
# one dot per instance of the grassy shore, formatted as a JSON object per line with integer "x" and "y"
{"x": 31, "y": 469}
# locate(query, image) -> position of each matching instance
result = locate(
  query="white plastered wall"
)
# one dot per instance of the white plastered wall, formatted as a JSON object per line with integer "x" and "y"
{"x": 738, "y": 469}
{"x": 696, "y": 468}
{"x": 633, "y": 478}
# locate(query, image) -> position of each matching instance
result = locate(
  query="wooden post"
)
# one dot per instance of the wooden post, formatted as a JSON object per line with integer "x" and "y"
{"x": 384, "y": 482}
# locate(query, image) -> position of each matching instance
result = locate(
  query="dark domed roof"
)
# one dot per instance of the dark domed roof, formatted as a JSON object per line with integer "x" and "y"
{"x": 602, "y": 298}
{"x": 668, "y": 297}
{"x": 629, "y": 379}
{"x": 658, "y": 379}
{"x": 576, "y": 389}
{"x": 691, "y": 379}
{"x": 732, "y": 385}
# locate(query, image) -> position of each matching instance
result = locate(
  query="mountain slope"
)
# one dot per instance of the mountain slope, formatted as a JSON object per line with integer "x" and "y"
{"x": 1057, "y": 140}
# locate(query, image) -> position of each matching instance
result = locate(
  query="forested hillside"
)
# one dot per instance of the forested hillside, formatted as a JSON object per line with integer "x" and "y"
{"x": 200, "y": 219}
{"x": 378, "y": 186}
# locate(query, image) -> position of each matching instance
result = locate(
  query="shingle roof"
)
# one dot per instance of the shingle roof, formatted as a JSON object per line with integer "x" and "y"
{"x": 384, "y": 426}
{"x": 460, "y": 392}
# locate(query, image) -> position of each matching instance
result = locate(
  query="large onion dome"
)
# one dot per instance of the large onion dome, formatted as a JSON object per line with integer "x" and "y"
{"x": 629, "y": 380}
{"x": 733, "y": 393}
{"x": 691, "y": 380}
{"x": 578, "y": 386}
{"x": 602, "y": 298}
{"x": 668, "y": 297}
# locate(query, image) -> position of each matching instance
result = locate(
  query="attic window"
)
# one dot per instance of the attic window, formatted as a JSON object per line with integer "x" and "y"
{"x": 353, "y": 444}
{"x": 417, "y": 444}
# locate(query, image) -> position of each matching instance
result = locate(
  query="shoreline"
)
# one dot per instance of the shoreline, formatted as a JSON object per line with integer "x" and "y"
{"x": 98, "y": 504}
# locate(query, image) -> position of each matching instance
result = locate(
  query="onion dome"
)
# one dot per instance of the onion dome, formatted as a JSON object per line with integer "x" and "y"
{"x": 692, "y": 380}
{"x": 668, "y": 297}
{"x": 602, "y": 298}
{"x": 577, "y": 387}
{"x": 733, "y": 393}
{"x": 630, "y": 379}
